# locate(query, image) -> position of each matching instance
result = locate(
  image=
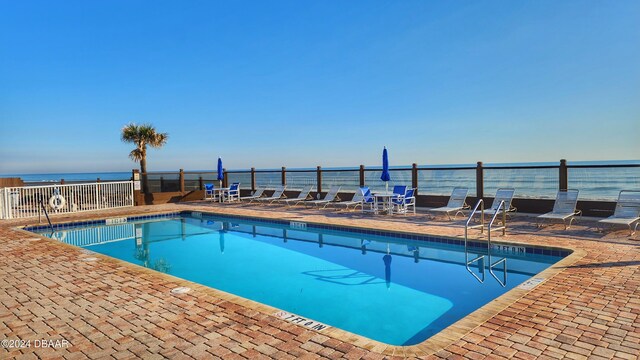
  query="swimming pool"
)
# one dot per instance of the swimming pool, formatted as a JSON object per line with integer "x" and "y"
{"x": 399, "y": 289}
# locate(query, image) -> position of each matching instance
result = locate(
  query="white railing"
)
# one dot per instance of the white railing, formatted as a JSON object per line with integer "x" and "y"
{"x": 95, "y": 235}
{"x": 23, "y": 202}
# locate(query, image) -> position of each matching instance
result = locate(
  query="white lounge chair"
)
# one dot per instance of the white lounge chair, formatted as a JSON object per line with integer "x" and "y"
{"x": 564, "y": 208}
{"x": 357, "y": 200}
{"x": 277, "y": 194}
{"x": 505, "y": 195}
{"x": 627, "y": 211}
{"x": 302, "y": 197}
{"x": 457, "y": 203}
{"x": 331, "y": 196}
{"x": 257, "y": 194}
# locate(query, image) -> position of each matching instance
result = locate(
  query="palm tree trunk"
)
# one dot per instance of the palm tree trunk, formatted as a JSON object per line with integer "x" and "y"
{"x": 143, "y": 173}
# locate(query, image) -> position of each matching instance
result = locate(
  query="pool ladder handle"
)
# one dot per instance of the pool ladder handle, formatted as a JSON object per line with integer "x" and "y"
{"x": 468, "y": 262}
{"x": 503, "y": 261}
{"x": 44, "y": 209}
{"x": 467, "y": 226}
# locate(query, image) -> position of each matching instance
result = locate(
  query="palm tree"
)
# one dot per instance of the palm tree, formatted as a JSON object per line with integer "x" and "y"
{"x": 142, "y": 135}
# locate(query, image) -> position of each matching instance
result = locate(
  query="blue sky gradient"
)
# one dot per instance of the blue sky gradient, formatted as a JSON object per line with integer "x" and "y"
{"x": 305, "y": 83}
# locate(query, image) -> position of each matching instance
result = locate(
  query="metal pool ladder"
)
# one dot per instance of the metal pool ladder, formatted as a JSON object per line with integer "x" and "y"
{"x": 44, "y": 209}
{"x": 480, "y": 258}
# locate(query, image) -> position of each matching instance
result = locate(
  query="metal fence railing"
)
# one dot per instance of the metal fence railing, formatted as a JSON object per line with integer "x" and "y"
{"x": 24, "y": 202}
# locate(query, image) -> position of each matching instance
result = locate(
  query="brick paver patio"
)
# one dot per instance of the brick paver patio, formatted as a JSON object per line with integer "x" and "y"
{"x": 587, "y": 308}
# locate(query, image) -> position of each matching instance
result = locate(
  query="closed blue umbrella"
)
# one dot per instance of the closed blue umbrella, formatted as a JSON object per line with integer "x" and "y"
{"x": 385, "y": 169}
{"x": 220, "y": 174}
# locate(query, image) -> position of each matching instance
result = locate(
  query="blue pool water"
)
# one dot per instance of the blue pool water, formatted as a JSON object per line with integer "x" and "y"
{"x": 390, "y": 289}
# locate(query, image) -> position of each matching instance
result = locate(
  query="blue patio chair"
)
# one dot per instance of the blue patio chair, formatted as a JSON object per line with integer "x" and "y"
{"x": 399, "y": 190}
{"x": 234, "y": 192}
{"x": 404, "y": 202}
{"x": 209, "y": 193}
{"x": 368, "y": 199}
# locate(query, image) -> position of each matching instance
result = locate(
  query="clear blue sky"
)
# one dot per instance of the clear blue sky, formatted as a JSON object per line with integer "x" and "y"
{"x": 305, "y": 83}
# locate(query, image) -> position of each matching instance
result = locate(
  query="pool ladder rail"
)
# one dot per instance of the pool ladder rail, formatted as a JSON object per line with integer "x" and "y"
{"x": 44, "y": 209}
{"x": 480, "y": 258}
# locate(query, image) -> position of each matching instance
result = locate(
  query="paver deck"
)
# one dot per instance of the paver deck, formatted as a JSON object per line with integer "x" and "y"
{"x": 587, "y": 308}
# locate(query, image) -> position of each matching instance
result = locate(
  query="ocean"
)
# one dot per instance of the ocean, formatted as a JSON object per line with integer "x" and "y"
{"x": 593, "y": 183}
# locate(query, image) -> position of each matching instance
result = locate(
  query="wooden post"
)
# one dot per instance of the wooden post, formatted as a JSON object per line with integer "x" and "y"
{"x": 253, "y": 179}
{"x": 135, "y": 177}
{"x": 161, "y": 183}
{"x": 362, "y": 178}
{"x": 284, "y": 176}
{"x": 225, "y": 178}
{"x": 319, "y": 179}
{"x": 479, "y": 181}
{"x": 563, "y": 180}
{"x": 181, "y": 180}
{"x": 200, "y": 183}
{"x": 414, "y": 178}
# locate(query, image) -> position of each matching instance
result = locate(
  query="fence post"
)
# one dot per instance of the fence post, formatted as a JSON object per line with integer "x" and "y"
{"x": 161, "y": 183}
{"x": 181, "y": 180}
{"x": 361, "y": 175}
{"x": 284, "y": 176}
{"x": 319, "y": 179}
{"x": 563, "y": 180}
{"x": 225, "y": 178}
{"x": 253, "y": 179}
{"x": 414, "y": 178}
{"x": 479, "y": 181}
{"x": 97, "y": 197}
{"x": 5, "y": 207}
{"x": 135, "y": 177}
{"x": 200, "y": 182}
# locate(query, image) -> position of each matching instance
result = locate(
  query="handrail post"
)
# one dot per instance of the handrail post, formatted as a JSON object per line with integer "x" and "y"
{"x": 319, "y": 179}
{"x": 362, "y": 175}
{"x": 181, "y": 179}
{"x": 200, "y": 182}
{"x": 563, "y": 180}
{"x": 284, "y": 176}
{"x": 161, "y": 183}
{"x": 253, "y": 179}
{"x": 479, "y": 181}
{"x": 414, "y": 178}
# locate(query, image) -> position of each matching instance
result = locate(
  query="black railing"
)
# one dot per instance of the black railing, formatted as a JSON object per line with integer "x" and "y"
{"x": 596, "y": 182}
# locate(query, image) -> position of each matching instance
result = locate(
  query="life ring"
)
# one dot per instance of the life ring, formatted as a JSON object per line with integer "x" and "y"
{"x": 57, "y": 202}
